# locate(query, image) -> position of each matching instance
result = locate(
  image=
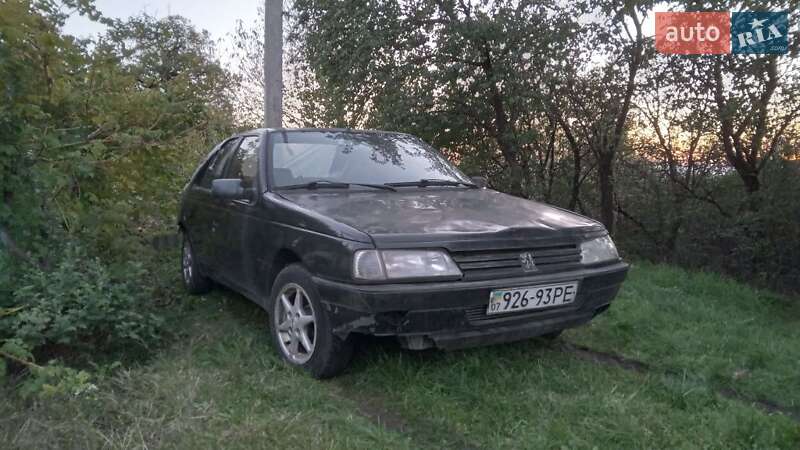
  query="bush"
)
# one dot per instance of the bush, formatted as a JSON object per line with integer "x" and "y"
{"x": 757, "y": 240}
{"x": 75, "y": 312}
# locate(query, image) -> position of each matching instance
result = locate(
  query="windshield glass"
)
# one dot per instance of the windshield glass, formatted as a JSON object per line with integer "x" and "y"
{"x": 300, "y": 157}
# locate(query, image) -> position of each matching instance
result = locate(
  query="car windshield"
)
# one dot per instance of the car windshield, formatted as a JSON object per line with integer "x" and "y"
{"x": 352, "y": 157}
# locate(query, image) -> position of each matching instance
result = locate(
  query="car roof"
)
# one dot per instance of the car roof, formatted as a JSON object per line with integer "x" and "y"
{"x": 346, "y": 130}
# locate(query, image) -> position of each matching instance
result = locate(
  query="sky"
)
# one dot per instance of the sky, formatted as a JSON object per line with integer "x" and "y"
{"x": 216, "y": 16}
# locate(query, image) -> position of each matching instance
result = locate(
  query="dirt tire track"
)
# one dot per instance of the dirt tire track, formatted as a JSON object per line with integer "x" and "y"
{"x": 633, "y": 365}
{"x": 606, "y": 358}
{"x": 765, "y": 405}
{"x": 421, "y": 431}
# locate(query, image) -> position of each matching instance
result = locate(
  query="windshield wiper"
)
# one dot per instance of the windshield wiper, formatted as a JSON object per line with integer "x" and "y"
{"x": 432, "y": 182}
{"x": 385, "y": 187}
{"x": 335, "y": 185}
{"x": 317, "y": 184}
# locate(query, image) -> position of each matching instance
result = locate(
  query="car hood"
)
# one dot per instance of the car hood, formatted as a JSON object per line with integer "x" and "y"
{"x": 422, "y": 214}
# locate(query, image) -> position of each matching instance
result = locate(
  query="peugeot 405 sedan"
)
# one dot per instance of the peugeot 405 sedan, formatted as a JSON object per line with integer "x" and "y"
{"x": 337, "y": 233}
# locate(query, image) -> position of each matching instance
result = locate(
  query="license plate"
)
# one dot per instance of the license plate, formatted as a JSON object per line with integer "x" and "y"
{"x": 531, "y": 297}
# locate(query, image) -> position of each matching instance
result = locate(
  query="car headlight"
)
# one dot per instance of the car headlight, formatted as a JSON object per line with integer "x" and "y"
{"x": 398, "y": 264}
{"x": 598, "y": 250}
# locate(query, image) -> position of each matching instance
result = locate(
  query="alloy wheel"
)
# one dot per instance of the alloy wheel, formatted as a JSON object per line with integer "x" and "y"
{"x": 187, "y": 262}
{"x": 295, "y": 323}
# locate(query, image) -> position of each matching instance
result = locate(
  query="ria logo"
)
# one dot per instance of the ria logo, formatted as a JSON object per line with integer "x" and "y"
{"x": 714, "y": 33}
{"x": 760, "y": 32}
{"x": 528, "y": 264}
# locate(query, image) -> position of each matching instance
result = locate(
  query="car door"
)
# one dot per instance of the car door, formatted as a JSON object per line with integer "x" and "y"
{"x": 207, "y": 211}
{"x": 194, "y": 204}
{"x": 242, "y": 222}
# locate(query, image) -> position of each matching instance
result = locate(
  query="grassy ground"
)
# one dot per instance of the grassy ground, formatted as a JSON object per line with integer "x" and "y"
{"x": 712, "y": 357}
{"x": 702, "y": 326}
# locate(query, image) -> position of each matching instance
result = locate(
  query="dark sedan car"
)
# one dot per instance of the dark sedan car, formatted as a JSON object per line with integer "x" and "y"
{"x": 336, "y": 232}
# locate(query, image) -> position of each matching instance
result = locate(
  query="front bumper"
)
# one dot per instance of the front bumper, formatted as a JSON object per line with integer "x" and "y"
{"x": 451, "y": 314}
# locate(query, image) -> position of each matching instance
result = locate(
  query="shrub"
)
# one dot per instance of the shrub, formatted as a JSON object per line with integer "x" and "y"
{"x": 757, "y": 240}
{"x": 75, "y": 312}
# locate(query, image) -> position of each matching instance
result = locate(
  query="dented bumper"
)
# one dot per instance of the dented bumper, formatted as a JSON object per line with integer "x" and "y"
{"x": 451, "y": 314}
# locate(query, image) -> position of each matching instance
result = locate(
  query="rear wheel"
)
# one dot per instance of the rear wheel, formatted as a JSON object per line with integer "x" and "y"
{"x": 301, "y": 330}
{"x": 193, "y": 279}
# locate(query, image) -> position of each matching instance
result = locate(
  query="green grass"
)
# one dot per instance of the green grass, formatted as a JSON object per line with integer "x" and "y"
{"x": 220, "y": 385}
{"x": 702, "y": 325}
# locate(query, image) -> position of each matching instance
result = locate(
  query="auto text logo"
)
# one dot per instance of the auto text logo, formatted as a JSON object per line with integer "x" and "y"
{"x": 714, "y": 33}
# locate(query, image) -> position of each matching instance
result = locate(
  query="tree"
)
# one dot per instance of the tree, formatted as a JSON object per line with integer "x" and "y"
{"x": 39, "y": 69}
{"x": 247, "y": 69}
{"x": 599, "y": 99}
{"x": 754, "y": 110}
{"x": 755, "y": 100}
{"x": 469, "y": 76}
{"x": 673, "y": 156}
{"x": 246, "y": 55}
{"x": 93, "y": 136}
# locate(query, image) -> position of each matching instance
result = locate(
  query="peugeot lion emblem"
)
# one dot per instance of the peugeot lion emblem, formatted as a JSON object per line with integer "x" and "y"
{"x": 526, "y": 258}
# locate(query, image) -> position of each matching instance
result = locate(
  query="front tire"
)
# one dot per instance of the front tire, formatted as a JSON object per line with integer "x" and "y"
{"x": 194, "y": 281}
{"x": 300, "y": 326}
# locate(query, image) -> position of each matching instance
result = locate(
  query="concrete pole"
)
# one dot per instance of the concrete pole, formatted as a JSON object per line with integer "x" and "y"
{"x": 273, "y": 63}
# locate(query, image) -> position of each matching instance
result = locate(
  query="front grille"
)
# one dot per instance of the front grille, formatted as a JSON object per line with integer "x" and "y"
{"x": 491, "y": 264}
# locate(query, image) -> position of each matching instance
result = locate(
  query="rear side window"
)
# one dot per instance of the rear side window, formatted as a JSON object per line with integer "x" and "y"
{"x": 244, "y": 164}
{"x": 217, "y": 163}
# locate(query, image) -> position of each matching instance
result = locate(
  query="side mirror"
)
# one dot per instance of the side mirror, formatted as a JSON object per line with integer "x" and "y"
{"x": 227, "y": 188}
{"x": 480, "y": 181}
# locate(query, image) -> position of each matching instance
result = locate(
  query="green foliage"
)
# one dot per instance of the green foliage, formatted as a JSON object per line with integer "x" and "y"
{"x": 49, "y": 380}
{"x": 79, "y": 311}
{"x": 710, "y": 225}
{"x": 78, "y": 304}
{"x": 6, "y": 276}
{"x": 16, "y": 349}
{"x": 96, "y": 140}
{"x": 54, "y": 379}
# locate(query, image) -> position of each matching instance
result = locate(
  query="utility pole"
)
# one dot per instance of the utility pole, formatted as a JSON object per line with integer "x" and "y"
{"x": 273, "y": 63}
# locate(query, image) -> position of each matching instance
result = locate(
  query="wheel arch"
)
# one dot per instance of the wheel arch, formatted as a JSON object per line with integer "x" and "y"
{"x": 282, "y": 259}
